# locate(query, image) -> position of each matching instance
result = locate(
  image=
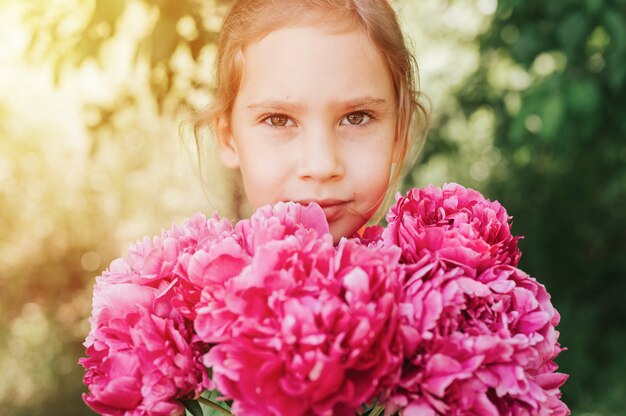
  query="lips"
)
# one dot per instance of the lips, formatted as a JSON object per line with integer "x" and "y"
{"x": 333, "y": 208}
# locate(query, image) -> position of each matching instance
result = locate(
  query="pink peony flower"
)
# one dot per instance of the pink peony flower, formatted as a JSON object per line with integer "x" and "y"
{"x": 142, "y": 352}
{"x": 207, "y": 272}
{"x": 372, "y": 236}
{"x": 140, "y": 363}
{"x": 455, "y": 223}
{"x": 151, "y": 261}
{"x": 480, "y": 345}
{"x": 308, "y": 330}
{"x": 429, "y": 315}
{"x": 212, "y": 268}
{"x": 275, "y": 222}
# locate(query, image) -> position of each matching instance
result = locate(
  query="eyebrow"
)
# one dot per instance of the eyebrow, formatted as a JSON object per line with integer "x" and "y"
{"x": 353, "y": 103}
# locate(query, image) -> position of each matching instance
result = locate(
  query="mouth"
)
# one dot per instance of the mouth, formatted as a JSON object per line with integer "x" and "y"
{"x": 333, "y": 208}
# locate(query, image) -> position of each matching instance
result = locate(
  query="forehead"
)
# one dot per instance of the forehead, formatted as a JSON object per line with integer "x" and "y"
{"x": 308, "y": 63}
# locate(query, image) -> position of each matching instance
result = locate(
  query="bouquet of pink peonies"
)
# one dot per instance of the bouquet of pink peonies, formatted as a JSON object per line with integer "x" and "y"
{"x": 427, "y": 316}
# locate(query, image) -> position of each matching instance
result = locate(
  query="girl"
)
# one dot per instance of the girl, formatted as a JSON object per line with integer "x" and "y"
{"x": 316, "y": 101}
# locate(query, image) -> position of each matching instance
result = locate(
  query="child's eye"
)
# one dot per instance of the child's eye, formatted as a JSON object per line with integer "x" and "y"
{"x": 357, "y": 118}
{"x": 277, "y": 120}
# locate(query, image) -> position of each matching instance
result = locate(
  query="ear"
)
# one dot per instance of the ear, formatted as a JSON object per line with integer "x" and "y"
{"x": 224, "y": 135}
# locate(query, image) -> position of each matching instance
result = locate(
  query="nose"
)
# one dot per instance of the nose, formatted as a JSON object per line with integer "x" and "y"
{"x": 320, "y": 155}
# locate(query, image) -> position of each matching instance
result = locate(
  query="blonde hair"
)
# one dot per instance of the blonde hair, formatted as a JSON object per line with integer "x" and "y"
{"x": 250, "y": 20}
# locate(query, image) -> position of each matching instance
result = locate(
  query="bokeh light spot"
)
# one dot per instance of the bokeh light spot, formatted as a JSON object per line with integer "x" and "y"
{"x": 186, "y": 27}
{"x": 90, "y": 261}
{"x": 533, "y": 123}
{"x": 522, "y": 156}
{"x": 65, "y": 365}
{"x": 544, "y": 64}
{"x": 479, "y": 170}
{"x": 492, "y": 155}
{"x": 31, "y": 311}
{"x": 599, "y": 39}
{"x": 510, "y": 34}
{"x": 513, "y": 102}
{"x": 596, "y": 63}
{"x": 100, "y": 30}
{"x": 487, "y": 7}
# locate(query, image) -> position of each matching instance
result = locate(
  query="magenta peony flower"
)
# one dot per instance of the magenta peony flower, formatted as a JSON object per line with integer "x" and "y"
{"x": 429, "y": 315}
{"x": 275, "y": 222}
{"x": 207, "y": 272}
{"x": 140, "y": 363}
{"x": 456, "y": 223}
{"x": 212, "y": 268}
{"x": 481, "y": 345}
{"x": 372, "y": 236}
{"x": 308, "y": 330}
{"x": 142, "y": 352}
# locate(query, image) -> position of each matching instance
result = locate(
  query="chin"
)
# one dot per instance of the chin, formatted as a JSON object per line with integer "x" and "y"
{"x": 342, "y": 230}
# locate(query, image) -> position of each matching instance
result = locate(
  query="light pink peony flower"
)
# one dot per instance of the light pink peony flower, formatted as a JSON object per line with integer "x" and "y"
{"x": 309, "y": 330}
{"x": 480, "y": 345}
{"x": 151, "y": 261}
{"x": 456, "y": 223}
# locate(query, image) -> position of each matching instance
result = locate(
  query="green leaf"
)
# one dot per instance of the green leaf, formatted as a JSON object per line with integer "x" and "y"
{"x": 192, "y": 406}
{"x": 374, "y": 411}
{"x": 377, "y": 411}
{"x": 215, "y": 407}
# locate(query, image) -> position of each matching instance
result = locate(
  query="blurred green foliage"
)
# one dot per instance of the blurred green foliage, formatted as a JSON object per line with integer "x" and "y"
{"x": 552, "y": 75}
{"x": 537, "y": 125}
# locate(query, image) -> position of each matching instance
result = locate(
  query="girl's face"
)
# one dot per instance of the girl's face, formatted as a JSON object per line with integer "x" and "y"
{"x": 314, "y": 121}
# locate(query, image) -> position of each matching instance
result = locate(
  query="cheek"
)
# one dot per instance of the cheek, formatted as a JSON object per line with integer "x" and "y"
{"x": 372, "y": 171}
{"x": 263, "y": 176}
{"x": 372, "y": 182}
{"x": 373, "y": 163}
{"x": 376, "y": 186}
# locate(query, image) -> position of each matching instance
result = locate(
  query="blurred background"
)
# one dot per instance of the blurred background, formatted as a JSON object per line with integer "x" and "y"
{"x": 528, "y": 107}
